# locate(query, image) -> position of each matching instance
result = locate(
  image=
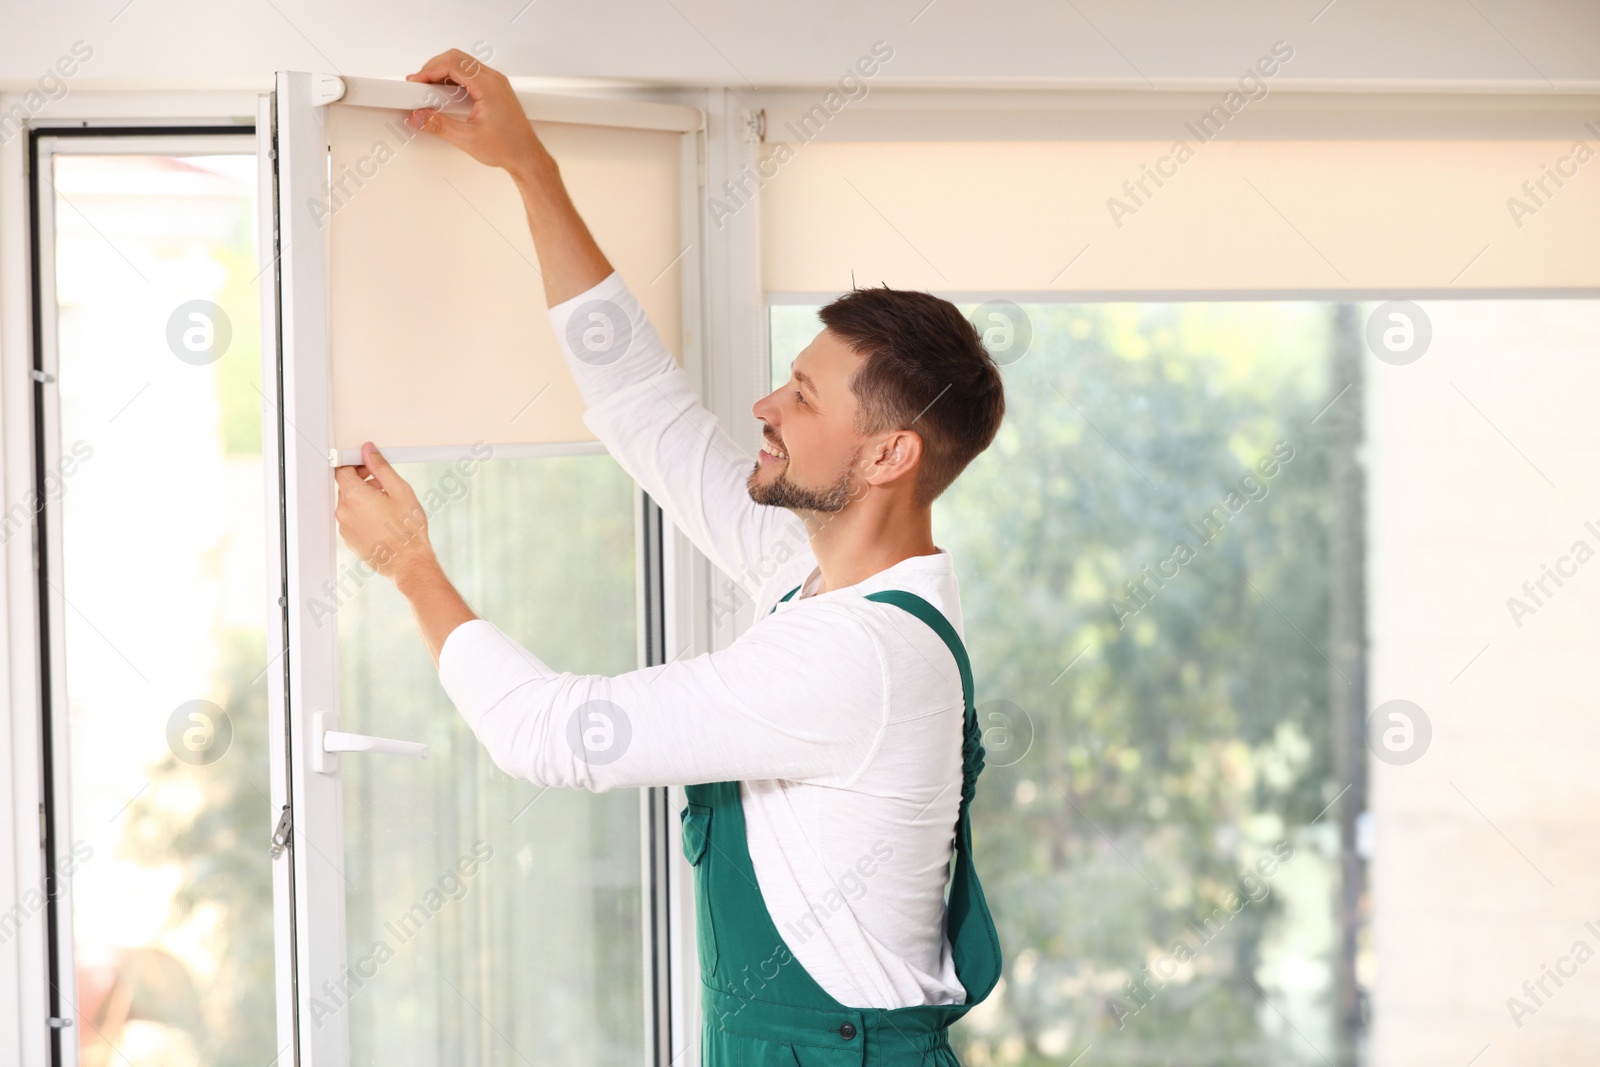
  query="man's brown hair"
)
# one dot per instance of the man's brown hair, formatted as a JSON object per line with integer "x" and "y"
{"x": 924, "y": 369}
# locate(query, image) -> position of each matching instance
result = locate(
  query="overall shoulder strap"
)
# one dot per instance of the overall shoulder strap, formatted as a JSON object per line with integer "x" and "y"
{"x": 972, "y": 744}
{"x": 971, "y": 928}
{"x": 973, "y": 937}
{"x": 940, "y": 625}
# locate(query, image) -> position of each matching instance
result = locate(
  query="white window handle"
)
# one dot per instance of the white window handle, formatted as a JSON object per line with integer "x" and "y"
{"x": 327, "y": 744}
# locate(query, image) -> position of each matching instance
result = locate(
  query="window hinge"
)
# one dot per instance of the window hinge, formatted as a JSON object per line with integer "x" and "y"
{"x": 280, "y": 836}
{"x": 753, "y": 125}
{"x": 58, "y": 1023}
{"x": 42, "y": 376}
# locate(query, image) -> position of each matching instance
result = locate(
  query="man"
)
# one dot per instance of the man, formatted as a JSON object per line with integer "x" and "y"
{"x": 830, "y": 752}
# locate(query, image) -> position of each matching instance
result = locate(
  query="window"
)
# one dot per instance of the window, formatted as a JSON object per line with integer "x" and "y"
{"x": 438, "y": 905}
{"x": 157, "y": 604}
{"x": 510, "y": 918}
{"x": 491, "y": 920}
{"x": 1181, "y": 756}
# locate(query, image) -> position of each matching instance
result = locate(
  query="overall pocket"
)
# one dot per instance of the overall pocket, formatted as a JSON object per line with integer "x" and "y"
{"x": 696, "y": 844}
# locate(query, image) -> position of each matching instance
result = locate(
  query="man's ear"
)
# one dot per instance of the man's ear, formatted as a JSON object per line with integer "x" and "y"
{"x": 896, "y": 455}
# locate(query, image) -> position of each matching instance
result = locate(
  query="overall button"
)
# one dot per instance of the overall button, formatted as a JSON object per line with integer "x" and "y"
{"x": 847, "y": 1031}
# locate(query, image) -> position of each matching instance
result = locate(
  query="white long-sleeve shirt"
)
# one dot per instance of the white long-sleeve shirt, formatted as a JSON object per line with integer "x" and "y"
{"x": 841, "y": 717}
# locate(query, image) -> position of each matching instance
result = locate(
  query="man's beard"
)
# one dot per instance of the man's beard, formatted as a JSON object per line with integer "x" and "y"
{"x": 783, "y": 493}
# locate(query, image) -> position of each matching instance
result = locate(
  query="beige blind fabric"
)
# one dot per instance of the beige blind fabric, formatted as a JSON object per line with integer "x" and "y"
{"x": 438, "y": 335}
{"x": 1269, "y": 215}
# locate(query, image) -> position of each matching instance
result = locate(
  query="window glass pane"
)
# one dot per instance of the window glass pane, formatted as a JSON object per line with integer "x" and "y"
{"x": 1149, "y": 634}
{"x": 491, "y": 921}
{"x": 165, "y": 606}
{"x": 793, "y": 326}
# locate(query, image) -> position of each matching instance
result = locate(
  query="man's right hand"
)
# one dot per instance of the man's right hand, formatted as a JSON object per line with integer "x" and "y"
{"x": 497, "y": 132}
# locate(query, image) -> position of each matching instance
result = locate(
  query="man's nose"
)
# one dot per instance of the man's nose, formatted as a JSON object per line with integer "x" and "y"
{"x": 766, "y": 409}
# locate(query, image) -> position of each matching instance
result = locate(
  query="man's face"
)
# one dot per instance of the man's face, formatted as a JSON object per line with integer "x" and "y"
{"x": 811, "y": 444}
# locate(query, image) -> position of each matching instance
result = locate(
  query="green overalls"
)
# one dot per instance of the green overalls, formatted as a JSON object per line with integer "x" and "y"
{"x": 760, "y": 1006}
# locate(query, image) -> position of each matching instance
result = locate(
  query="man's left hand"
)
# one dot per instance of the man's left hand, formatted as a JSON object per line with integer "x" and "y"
{"x": 379, "y": 515}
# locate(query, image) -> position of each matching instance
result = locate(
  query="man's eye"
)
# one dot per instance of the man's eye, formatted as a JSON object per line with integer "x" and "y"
{"x": 798, "y": 395}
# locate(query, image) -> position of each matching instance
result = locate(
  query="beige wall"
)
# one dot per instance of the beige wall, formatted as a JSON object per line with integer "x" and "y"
{"x": 1465, "y": 912}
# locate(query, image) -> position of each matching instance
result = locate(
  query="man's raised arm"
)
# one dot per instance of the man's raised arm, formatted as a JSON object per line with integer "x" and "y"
{"x": 640, "y": 403}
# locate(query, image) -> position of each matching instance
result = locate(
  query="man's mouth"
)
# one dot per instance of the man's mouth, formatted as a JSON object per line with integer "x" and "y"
{"x": 773, "y": 452}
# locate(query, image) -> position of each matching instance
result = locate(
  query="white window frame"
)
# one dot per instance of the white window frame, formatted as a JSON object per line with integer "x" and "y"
{"x": 315, "y": 951}
{"x": 25, "y": 1036}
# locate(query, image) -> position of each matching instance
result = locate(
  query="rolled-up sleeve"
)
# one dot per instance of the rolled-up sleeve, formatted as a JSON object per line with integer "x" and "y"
{"x": 802, "y": 696}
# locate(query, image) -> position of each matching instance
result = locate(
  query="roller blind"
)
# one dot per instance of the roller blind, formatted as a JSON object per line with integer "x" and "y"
{"x": 1129, "y": 217}
{"x": 438, "y": 335}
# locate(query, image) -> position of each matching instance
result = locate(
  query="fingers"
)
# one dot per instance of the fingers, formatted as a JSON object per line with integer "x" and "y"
{"x": 433, "y": 69}
{"x": 456, "y": 66}
{"x": 452, "y": 67}
{"x": 383, "y": 475}
{"x": 496, "y": 132}
{"x": 349, "y": 483}
{"x": 372, "y": 458}
{"x": 375, "y": 464}
{"x": 351, "y": 475}
{"x": 455, "y": 131}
